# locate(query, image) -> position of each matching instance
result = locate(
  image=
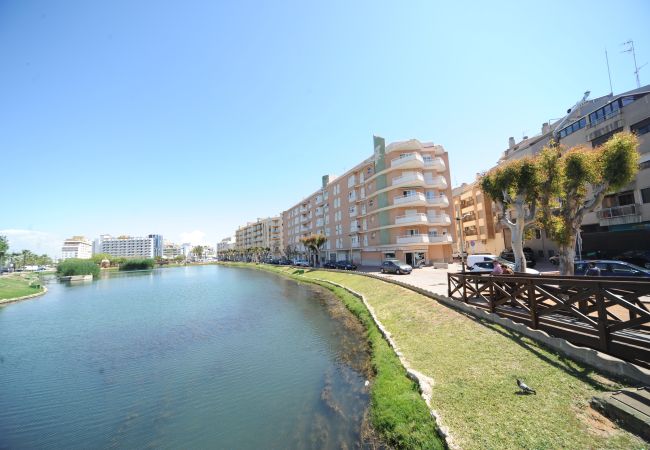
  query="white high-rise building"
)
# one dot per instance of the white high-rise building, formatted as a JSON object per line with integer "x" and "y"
{"x": 76, "y": 247}
{"x": 125, "y": 246}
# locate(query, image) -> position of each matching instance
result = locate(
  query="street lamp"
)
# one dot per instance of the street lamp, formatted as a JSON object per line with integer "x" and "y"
{"x": 462, "y": 240}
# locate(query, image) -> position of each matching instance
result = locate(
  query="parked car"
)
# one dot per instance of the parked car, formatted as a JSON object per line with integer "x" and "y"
{"x": 345, "y": 265}
{"x": 284, "y": 262}
{"x": 330, "y": 265}
{"x": 488, "y": 266}
{"x": 611, "y": 268}
{"x": 482, "y": 257}
{"x": 510, "y": 256}
{"x": 639, "y": 258}
{"x": 395, "y": 266}
{"x": 301, "y": 263}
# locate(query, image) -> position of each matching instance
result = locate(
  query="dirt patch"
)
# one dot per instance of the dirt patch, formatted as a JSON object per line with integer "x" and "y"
{"x": 596, "y": 423}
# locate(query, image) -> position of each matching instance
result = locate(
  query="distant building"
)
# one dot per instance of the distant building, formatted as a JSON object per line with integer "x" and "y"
{"x": 76, "y": 247}
{"x": 158, "y": 245}
{"x": 171, "y": 250}
{"x": 263, "y": 233}
{"x": 186, "y": 249}
{"x": 225, "y": 245}
{"x": 475, "y": 214}
{"x": 125, "y": 246}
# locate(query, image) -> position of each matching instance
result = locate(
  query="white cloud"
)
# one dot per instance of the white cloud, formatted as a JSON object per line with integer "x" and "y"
{"x": 38, "y": 242}
{"x": 195, "y": 237}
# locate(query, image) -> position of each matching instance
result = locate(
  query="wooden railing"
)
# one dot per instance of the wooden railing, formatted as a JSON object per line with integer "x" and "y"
{"x": 609, "y": 314}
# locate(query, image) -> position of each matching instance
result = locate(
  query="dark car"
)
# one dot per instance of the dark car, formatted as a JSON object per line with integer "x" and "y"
{"x": 639, "y": 258}
{"x": 611, "y": 268}
{"x": 330, "y": 265}
{"x": 284, "y": 262}
{"x": 345, "y": 265}
{"x": 510, "y": 256}
{"x": 395, "y": 266}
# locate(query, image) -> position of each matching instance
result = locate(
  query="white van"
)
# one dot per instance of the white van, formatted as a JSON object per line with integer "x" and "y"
{"x": 473, "y": 259}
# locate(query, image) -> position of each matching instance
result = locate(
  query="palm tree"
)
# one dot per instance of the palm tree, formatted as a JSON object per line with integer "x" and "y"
{"x": 198, "y": 251}
{"x": 314, "y": 243}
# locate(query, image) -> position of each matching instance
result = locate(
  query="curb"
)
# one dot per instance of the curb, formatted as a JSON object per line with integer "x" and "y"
{"x": 25, "y": 297}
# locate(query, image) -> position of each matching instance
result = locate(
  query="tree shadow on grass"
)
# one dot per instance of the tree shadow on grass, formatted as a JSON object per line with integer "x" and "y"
{"x": 579, "y": 370}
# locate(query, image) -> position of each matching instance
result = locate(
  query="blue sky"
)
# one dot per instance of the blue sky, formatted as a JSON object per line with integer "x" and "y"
{"x": 190, "y": 118}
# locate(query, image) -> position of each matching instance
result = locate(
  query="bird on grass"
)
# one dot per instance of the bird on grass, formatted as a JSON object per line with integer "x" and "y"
{"x": 525, "y": 388}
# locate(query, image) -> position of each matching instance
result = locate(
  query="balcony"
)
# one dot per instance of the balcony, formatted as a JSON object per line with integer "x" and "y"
{"x": 411, "y": 219}
{"x": 319, "y": 212}
{"x": 413, "y": 239}
{"x": 353, "y": 212}
{"x": 438, "y": 182}
{"x": 413, "y": 199}
{"x": 409, "y": 179}
{"x": 319, "y": 199}
{"x": 352, "y": 197}
{"x": 354, "y": 228}
{"x": 355, "y": 244}
{"x": 438, "y": 200}
{"x": 408, "y": 161}
{"x": 444, "y": 239}
{"x": 439, "y": 219}
{"x": 436, "y": 163}
{"x": 304, "y": 218}
{"x": 620, "y": 215}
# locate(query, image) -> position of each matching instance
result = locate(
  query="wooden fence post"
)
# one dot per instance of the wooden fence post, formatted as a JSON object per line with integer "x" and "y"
{"x": 532, "y": 304}
{"x": 491, "y": 303}
{"x": 602, "y": 319}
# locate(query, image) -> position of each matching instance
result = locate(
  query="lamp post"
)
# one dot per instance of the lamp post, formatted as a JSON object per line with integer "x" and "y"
{"x": 459, "y": 219}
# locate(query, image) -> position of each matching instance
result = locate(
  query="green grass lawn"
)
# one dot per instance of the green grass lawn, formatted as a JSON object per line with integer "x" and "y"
{"x": 474, "y": 365}
{"x": 19, "y": 285}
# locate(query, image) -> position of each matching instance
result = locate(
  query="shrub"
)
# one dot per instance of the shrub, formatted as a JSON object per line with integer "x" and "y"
{"x": 137, "y": 264}
{"x": 71, "y": 267}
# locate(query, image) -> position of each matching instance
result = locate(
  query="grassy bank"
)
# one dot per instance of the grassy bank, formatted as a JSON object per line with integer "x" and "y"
{"x": 475, "y": 365}
{"x": 398, "y": 412}
{"x": 19, "y": 285}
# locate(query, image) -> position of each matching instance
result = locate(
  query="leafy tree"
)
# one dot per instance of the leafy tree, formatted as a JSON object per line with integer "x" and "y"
{"x": 99, "y": 257}
{"x": 575, "y": 183}
{"x": 198, "y": 251}
{"x": 137, "y": 264}
{"x": 313, "y": 244}
{"x": 4, "y": 248}
{"x": 514, "y": 186}
{"x": 179, "y": 258}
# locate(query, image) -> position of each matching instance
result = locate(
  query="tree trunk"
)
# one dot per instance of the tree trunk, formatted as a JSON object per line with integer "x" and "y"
{"x": 517, "y": 232}
{"x": 567, "y": 257}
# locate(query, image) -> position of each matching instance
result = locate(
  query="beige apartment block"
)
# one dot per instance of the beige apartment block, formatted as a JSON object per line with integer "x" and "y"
{"x": 622, "y": 224}
{"x": 263, "y": 233}
{"x": 76, "y": 247}
{"x": 394, "y": 204}
{"x": 476, "y": 214}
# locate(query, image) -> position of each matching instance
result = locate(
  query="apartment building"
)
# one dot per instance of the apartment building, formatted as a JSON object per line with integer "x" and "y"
{"x": 125, "y": 246}
{"x": 171, "y": 250}
{"x": 76, "y": 247}
{"x": 263, "y": 233}
{"x": 476, "y": 215}
{"x": 394, "y": 204}
{"x": 225, "y": 245}
{"x": 623, "y": 222}
{"x": 158, "y": 244}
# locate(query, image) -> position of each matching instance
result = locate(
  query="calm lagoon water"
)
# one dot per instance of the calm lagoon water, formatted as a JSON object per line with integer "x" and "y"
{"x": 196, "y": 357}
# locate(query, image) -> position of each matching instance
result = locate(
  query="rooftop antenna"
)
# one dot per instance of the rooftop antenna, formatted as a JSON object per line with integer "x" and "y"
{"x": 636, "y": 68}
{"x": 609, "y": 74}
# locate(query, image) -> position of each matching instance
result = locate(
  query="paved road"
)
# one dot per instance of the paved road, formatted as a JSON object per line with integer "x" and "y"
{"x": 435, "y": 280}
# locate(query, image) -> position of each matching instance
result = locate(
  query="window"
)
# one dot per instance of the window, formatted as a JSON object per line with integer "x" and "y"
{"x": 604, "y": 138}
{"x": 538, "y": 233}
{"x": 641, "y": 127}
{"x": 645, "y": 195}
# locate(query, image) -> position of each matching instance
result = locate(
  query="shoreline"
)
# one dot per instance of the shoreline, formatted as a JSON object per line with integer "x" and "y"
{"x": 389, "y": 370}
{"x": 6, "y": 301}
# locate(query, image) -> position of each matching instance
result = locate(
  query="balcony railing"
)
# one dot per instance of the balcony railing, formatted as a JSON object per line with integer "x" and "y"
{"x": 436, "y": 163}
{"x": 440, "y": 239}
{"x": 406, "y": 199}
{"x": 413, "y": 239}
{"x": 439, "y": 182}
{"x": 619, "y": 215}
{"x": 408, "y": 178}
{"x": 411, "y": 159}
{"x": 438, "y": 200}
{"x": 439, "y": 219}
{"x": 411, "y": 218}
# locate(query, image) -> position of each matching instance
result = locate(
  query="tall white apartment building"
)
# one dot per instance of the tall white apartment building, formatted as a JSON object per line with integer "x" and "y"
{"x": 225, "y": 245}
{"x": 76, "y": 247}
{"x": 125, "y": 246}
